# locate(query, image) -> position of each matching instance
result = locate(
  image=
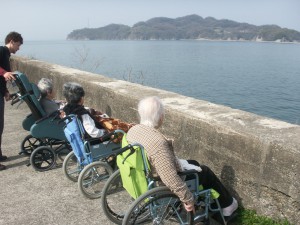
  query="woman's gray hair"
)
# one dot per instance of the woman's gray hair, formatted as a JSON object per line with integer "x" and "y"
{"x": 151, "y": 111}
{"x": 45, "y": 85}
{"x": 73, "y": 92}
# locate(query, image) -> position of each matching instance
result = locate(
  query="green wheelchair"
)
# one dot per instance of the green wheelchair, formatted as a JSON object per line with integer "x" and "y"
{"x": 132, "y": 196}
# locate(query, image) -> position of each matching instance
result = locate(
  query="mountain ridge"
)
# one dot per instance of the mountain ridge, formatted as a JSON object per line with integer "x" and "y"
{"x": 187, "y": 27}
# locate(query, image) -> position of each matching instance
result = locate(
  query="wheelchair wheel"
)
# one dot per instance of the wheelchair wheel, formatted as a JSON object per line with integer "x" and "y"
{"x": 158, "y": 206}
{"x": 43, "y": 158}
{"x": 29, "y": 144}
{"x": 92, "y": 179}
{"x": 71, "y": 167}
{"x": 115, "y": 199}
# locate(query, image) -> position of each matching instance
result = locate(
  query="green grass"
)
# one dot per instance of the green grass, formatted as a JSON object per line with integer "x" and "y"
{"x": 249, "y": 217}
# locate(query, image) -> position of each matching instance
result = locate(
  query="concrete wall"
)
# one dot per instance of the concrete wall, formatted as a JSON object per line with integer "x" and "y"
{"x": 257, "y": 158}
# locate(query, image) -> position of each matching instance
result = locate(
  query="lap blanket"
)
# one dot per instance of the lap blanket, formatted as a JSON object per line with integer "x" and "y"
{"x": 112, "y": 124}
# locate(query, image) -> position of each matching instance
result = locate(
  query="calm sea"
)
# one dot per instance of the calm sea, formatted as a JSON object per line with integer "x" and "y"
{"x": 263, "y": 78}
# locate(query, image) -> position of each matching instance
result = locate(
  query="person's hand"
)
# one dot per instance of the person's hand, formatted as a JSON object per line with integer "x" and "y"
{"x": 7, "y": 96}
{"x": 61, "y": 104}
{"x": 9, "y": 76}
{"x": 186, "y": 166}
{"x": 189, "y": 207}
{"x": 62, "y": 114}
{"x": 171, "y": 142}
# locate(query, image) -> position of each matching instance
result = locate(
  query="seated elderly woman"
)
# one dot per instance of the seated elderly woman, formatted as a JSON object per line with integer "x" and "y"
{"x": 74, "y": 95}
{"x": 45, "y": 86}
{"x": 165, "y": 164}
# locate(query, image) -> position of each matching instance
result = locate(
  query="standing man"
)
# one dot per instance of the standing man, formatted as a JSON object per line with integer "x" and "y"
{"x": 13, "y": 41}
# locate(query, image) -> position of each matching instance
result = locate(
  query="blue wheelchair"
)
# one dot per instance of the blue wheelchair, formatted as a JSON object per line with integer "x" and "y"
{"x": 91, "y": 162}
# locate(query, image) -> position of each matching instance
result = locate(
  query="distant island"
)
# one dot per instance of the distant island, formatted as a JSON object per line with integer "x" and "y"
{"x": 188, "y": 27}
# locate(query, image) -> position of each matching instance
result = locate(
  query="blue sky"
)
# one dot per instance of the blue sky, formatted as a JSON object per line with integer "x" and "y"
{"x": 55, "y": 19}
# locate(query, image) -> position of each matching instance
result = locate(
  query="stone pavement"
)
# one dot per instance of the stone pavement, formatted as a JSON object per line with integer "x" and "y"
{"x": 39, "y": 198}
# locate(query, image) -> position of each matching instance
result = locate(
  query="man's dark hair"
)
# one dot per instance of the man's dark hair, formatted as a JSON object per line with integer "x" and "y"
{"x": 14, "y": 36}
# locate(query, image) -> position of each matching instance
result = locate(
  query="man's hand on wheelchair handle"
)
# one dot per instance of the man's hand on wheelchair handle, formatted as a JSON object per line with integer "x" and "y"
{"x": 9, "y": 76}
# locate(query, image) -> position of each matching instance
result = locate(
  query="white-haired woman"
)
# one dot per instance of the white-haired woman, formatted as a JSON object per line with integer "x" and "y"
{"x": 165, "y": 164}
{"x": 45, "y": 86}
{"x": 74, "y": 94}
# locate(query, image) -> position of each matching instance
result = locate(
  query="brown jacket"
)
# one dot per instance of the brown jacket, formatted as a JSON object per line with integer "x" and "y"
{"x": 162, "y": 159}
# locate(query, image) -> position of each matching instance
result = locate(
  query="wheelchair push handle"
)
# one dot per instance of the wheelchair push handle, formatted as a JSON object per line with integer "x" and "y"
{"x": 132, "y": 150}
{"x": 121, "y": 150}
{"x": 15, "y": 73}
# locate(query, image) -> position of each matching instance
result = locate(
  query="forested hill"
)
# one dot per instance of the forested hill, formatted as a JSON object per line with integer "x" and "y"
{"x": 188, "y": 27}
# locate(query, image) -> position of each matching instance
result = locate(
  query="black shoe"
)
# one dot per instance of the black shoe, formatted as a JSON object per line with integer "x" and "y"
{"x": 2, "y": 167}
{"x": 3, "y": 158}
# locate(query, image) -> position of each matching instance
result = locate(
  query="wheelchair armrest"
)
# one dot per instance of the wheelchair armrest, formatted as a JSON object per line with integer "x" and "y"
{"x": 183, "y": 173}
{"x": 94, "y": 141}
{"x": 41, "y": 120}
{"x": 121, "y": 150}
{"x": 64, "y": 119}
{"x": 187, "y": 172}
{"x": 53, "y": 114}
{"x": 114, "y": 134}
{"x": 106, "y": 137}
